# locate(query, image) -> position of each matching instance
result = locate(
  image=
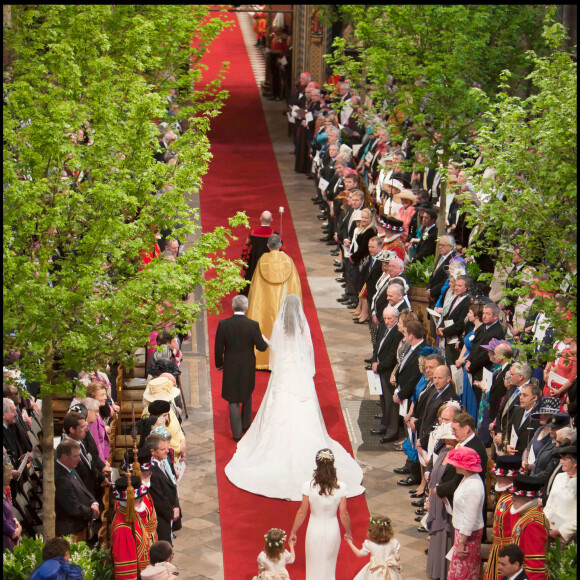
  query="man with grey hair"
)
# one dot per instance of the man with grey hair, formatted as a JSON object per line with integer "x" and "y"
{"x": 439, "y": 275}
{"x": 384, "y": 362}
{"x": 235, "y": 340}
{"x": 256, "y": 246}
{"x": 478, "y": 357}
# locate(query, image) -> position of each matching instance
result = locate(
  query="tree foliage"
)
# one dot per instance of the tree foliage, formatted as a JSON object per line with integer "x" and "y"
{"x": 72, "y": 268}
{"x": 531, "y": 144}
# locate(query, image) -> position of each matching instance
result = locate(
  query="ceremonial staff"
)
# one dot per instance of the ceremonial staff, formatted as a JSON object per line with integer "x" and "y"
{"x": 131, "y": 515}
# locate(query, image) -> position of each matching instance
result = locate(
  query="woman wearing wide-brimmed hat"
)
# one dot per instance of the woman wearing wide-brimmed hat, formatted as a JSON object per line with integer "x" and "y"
{"x": 467, "y": 515}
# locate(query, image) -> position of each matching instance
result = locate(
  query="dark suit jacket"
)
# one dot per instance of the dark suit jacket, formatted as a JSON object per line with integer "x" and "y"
{"x": 164, "y": 495}
{"x": 424, "y": 397}
{"x": 439, "y": 275}
{"x": 408, "y": 377}
{"x": 429, "y": 419}
{"x": 235, "y": 340}
{"x": 386, "y": 352}
{"x": 497, "y": 391}
{"x": 362, "y": 241}
{"x": 90, "y": 475}
{"x": 478, "y": 356}
{"x": 371, "y": 277}
{"x": 72, "y": 502}
{"x": 343, "y": 227}
{"x": 545, "y": 461}
{"x": 447, "y": 488}
{"x": 504, "y": 412}
{"x": 426, "y": 247}
{"x": 457, "y": 316}
{"x": 525, "y": 430}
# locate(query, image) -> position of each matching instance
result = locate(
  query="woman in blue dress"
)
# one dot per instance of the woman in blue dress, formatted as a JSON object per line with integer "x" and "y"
{"x": 468, "y": 399}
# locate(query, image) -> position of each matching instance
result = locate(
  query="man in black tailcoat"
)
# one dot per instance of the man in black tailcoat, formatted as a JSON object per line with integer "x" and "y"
{"x": 235, "y": 340}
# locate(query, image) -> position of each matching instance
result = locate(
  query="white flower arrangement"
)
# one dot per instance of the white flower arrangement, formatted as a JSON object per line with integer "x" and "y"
{"x": 280, "y": 542}
{"x": 328, "y": 455}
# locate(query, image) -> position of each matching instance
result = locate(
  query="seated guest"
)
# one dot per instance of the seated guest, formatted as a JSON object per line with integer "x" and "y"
{"x": 467, "y": 519}
{"x": 75, "y": 506}
{"x": 562, "y": 502}
{"x": 55, "y": 562}
{"x": 510, "y": 563}
{"x": 530, "y": 526}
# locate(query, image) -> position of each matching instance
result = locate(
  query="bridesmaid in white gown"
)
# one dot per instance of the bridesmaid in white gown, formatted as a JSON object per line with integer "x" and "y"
{"x": 324, "y": 495}
{"x": 276, "y": 456}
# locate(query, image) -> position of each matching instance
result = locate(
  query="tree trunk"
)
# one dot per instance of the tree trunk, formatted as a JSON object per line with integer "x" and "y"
{"x": 48, "y": 512}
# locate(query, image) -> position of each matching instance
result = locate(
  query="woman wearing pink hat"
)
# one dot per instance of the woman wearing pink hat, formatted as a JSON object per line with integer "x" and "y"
{"x": 467, "y": 515}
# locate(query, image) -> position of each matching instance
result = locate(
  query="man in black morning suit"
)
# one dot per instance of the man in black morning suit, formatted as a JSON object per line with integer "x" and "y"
{"x": 386, "y": 360}
{"x": 408, "y": 373}
{"x": 478, "y": 357}
{"x": 452, "y": 323}
{"x": 163, "y": 488}
{"x": 235, "y": 340}
{"x": 439, "y": 275}
{"x": 75, "y": 505}
{"x": 428, "y": 242}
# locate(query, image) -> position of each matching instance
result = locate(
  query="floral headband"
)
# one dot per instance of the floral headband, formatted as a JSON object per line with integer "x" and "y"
{"x": 280, "y": 542}
{"x": 326, "y": 455}
{"x": 380, "y": 522}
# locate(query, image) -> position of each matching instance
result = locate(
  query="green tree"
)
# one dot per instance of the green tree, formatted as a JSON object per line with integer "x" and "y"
{"x": 418, "y": 64}
{"x": 531, "y": 144}
{"x": 77, "y": 217}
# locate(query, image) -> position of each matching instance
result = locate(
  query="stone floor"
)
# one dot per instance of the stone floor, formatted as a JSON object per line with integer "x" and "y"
{"x": 198, "y": 553}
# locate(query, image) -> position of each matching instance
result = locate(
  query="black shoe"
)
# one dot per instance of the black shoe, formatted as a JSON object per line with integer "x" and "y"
{"x": 337, "y": 264}
{"x": 331, "y": 242}
{"x": 402, "y": 470}
{"x": 321, "y": 217}
{"x": 368, "y": 368}
{"x": 315, "y": 199}
{"x": 357, "y": 321}
{"x": 343, "y": 284}
{"x": 416, "y": 495}
{"x": 422, "y": 530}
{"x": 421, "y": 512}
{"x": 326, "y": 239}
{"x": 419, "y": 502}
{"x": 408, "y": 482}
{"x": 426, "y": 551}
{"x": 334, "y": 252}
{"x": 411, "y": 491}
{"x": 338, "y": 269}
{"x": 341, "y": 279}
{"x": 369, "y": 361}
{"x": 418, "y": 518}
{"x": 343, "y": 300}
{"x": 379, "y": 431}
{"x": 379, "y": 416}
{"x": 352, "y": 305}
{"x": 385, "y": 440}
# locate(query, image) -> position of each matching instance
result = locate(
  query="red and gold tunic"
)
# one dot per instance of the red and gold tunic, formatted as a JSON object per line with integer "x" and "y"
{"x": 260, "y": 22}
{"x": 530, "y": 533}
{"x": 149, "y": 518}
{"x": 128, "y": 551}
{"x": 503, "y": 521}
{"x": 395, "y": 246}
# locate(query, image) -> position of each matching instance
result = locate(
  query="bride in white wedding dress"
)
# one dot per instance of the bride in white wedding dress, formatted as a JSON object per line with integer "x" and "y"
{"x": 277, "y": 454}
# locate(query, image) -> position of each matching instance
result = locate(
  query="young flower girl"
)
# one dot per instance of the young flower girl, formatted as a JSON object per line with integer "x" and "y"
{"x": 384, "y": 551}
{"x": 272, "y": 561}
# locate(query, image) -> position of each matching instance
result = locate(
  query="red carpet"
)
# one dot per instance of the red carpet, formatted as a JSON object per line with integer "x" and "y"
{"x": 243, "y": 175}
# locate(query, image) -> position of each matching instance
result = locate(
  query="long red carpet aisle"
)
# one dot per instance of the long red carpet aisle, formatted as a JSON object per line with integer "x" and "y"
{"x": 243, "y": 175}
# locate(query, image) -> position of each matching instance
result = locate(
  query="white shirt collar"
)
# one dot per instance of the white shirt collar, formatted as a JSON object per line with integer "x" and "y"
{"x": 467, "y": 440}
{"x": 67, "y": 468}
{"x": 444, "y": 256}
{"x": 239, "y": 313}
{"x": 516, "y": 574}
{"x": 399, "y": 303}
{"x": 527, "y": 505}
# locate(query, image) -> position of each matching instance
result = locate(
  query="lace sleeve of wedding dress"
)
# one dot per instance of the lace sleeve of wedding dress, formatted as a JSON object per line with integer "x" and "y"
{"x": 291, "y": 349}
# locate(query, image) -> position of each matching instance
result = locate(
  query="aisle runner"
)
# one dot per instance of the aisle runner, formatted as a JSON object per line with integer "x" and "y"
{"x": 244, "y": 176}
